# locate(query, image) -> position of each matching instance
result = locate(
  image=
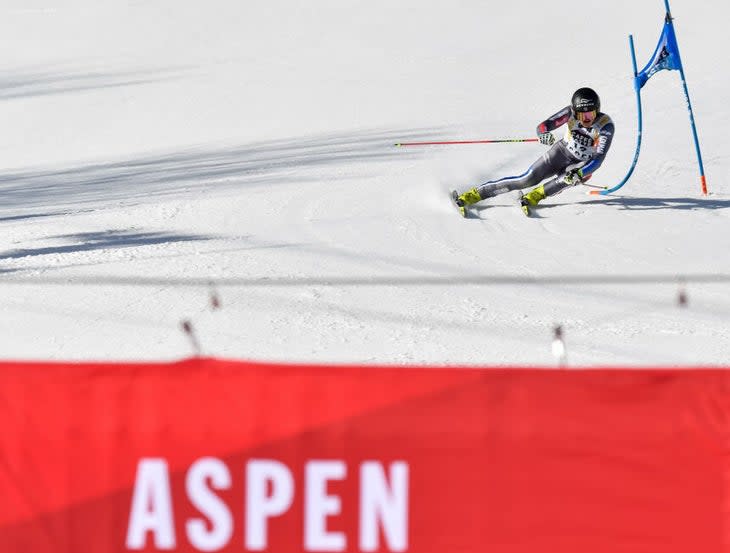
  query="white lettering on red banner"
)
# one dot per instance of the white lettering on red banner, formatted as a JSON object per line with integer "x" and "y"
{"x": 318, "y": 506}
{"x": 151, "y": 506}
{"x": 270, "y": 490}
{"x": 259, "y": 506}
{"x": 384, "y": 504}
{"x": 209, "y": 504}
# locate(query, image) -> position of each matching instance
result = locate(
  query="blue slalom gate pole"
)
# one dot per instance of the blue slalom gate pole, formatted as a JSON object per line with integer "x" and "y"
{"x": 638, "y": 138}
{"x": 666, "y": 56}
{"x": 703, "y": 180}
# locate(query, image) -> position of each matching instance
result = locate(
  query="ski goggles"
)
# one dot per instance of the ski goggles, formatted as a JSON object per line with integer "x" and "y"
{"x": 586, "y": 116}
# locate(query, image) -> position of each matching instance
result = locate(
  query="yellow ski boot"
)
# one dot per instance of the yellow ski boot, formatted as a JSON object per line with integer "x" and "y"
{"x": 466, "y": 199}
{"x": 531, "y": 199}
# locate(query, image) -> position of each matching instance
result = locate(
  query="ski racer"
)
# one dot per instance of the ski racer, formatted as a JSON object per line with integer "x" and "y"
{"x": 570, "y": 161}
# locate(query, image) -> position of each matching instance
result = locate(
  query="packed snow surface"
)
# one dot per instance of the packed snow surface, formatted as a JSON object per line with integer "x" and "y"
{"x": 232, "y": 164}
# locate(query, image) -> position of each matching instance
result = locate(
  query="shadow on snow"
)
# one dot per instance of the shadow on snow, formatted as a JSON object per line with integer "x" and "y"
{"x": 646, "y": 204}
{"x": 103, "y": 240}
{"x": 29, "y": 84}
{"x": 258, "y": 164}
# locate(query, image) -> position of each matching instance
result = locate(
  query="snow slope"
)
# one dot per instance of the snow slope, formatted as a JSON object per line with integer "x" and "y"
{"x": 151, "y": 147}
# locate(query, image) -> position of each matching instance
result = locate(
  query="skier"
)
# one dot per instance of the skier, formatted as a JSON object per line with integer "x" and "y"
{"x": 571, "y": 160}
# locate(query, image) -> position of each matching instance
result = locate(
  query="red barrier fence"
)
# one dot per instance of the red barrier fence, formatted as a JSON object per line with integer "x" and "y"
{"x": 209, "y": 455}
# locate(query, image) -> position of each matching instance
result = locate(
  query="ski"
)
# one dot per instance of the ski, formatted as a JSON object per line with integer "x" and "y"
{"x": 460, "y": 208}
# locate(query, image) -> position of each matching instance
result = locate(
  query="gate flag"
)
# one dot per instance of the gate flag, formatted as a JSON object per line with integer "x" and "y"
{"x": 666, "y": 56}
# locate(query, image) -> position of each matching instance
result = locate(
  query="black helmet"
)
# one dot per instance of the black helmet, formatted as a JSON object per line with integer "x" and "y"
{"x": 585, "y": 99}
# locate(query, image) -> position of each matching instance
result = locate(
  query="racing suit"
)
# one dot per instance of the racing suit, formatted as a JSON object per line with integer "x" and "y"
{"x": 581, "y": 148}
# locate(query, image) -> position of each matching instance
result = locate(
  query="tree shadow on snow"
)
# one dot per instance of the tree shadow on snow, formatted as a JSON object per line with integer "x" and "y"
{"x": 104, "y": 240}
{"x": 27, "y": 216}
{"x": 29, "y": 84}
{"x": 299, "y": 160}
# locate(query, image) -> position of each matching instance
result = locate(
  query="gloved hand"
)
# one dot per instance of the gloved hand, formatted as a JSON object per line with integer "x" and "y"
{"x": 573, "y": 177}
{"x": 546, "y": 138}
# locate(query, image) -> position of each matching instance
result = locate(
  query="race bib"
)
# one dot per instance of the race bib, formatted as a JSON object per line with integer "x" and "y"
{"x": 580, "y": 144}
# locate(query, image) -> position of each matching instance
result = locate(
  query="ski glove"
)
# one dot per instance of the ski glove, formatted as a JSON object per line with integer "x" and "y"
{"x": 546, "y": 138}
{"x": 573, "y": 177}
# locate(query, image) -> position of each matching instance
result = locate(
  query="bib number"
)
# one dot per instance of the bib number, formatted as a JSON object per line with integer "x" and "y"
{"x": 580, "y": 145}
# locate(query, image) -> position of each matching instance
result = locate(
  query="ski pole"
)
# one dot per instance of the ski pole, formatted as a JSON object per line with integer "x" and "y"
{"x": 452, "y": 142}
{"x": 595, "y": 186}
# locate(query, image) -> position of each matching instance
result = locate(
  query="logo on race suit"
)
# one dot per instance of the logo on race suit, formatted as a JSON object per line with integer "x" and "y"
{"x": 271, "y": 490}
